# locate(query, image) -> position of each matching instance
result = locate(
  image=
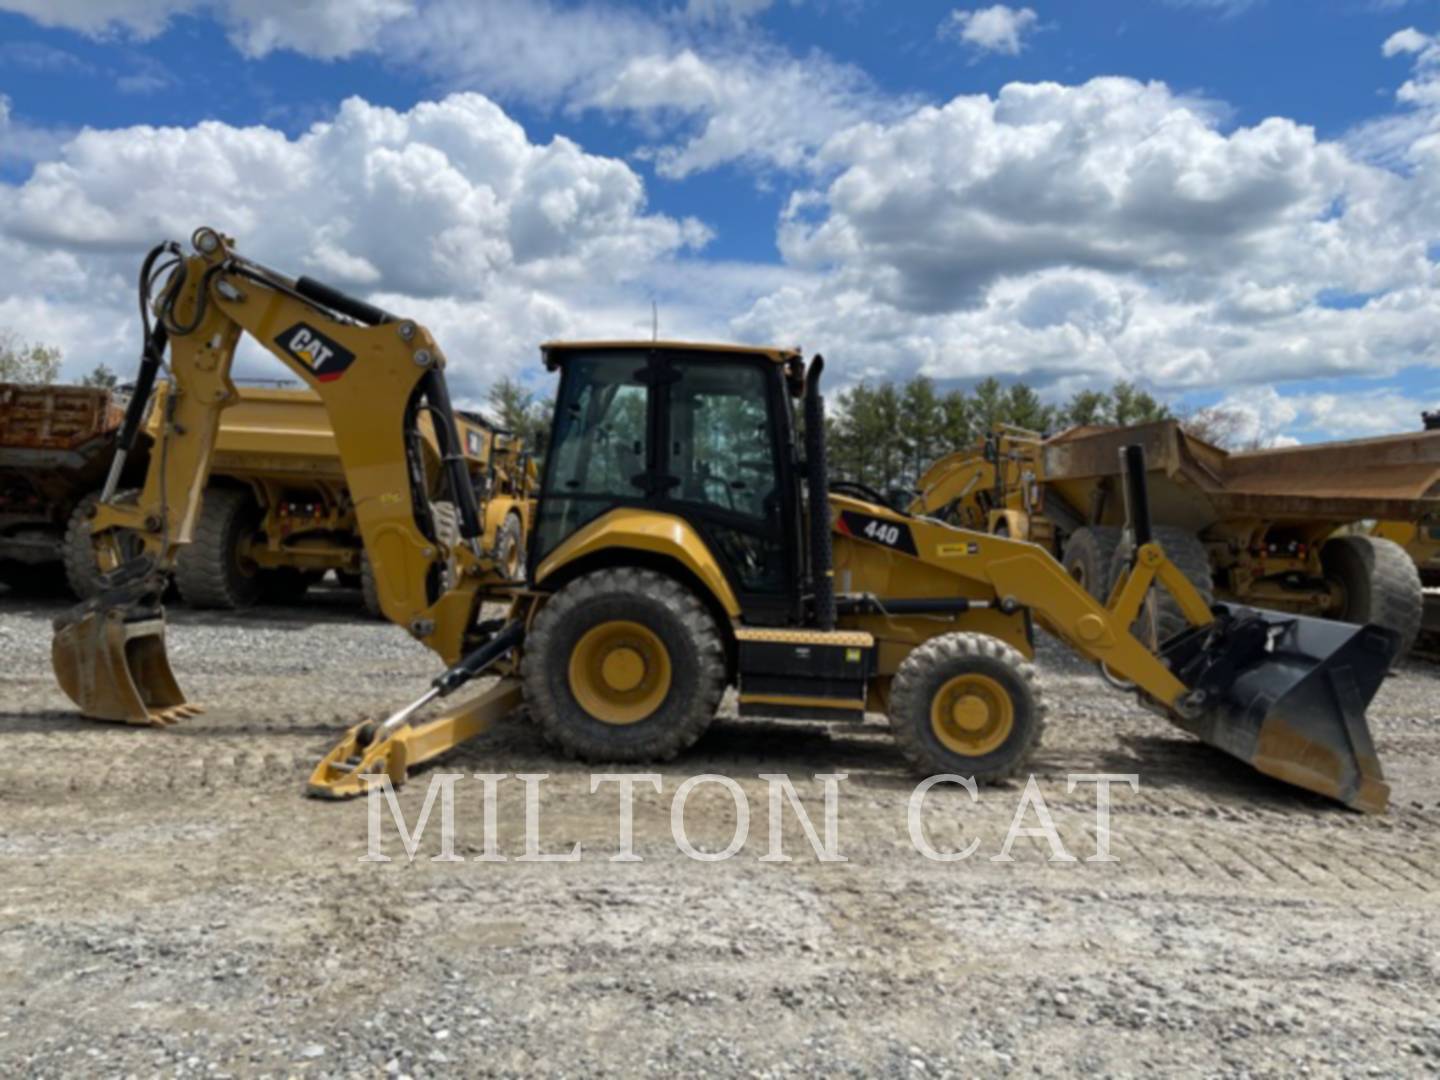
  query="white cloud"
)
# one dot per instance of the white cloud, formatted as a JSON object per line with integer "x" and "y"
{"x": 1074, "y": 234}
{"x": 1263, "y": 416}
{"x": 762, "y": 108}
{"x": 1225, "y": 8}
{"x": 1069, "y": 235}
{"x": 707, "y": 87}
{"x": 324, "y": 28}
{"x": 447, "y": 207}
{"x": 22, "y": 143}
{"x": 997, "y": 29}
{"x": 1393, "y": 139}
{"x": 724, "y": 11}
{"x": 706, "y": 98}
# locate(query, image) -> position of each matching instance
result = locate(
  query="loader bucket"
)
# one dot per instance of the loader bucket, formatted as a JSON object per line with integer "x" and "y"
{"x": 1288, "y": 694}
{"x": 110, "y": 661}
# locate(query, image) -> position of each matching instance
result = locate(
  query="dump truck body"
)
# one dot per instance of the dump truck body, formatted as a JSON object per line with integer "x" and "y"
{"x": 1268, "y": 518}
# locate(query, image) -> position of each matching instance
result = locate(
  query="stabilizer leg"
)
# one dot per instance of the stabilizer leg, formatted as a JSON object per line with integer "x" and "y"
{"x": 366, "y": 752}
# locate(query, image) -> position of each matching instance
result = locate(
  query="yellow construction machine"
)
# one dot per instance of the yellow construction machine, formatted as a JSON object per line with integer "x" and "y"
{"x": 1274, "y": 528}
{"x": 686, "y": 540}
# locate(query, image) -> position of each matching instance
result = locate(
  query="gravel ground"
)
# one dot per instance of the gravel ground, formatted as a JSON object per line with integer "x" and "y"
{"x": 171, "y": 904}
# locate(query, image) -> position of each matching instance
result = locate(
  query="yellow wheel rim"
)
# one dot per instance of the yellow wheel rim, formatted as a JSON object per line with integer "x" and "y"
{"x": 620, "y": 672}
{"x": 972, "y": 715}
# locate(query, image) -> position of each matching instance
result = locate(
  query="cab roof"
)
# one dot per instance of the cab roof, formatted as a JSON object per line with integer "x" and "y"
{"x": 556, "y": 352}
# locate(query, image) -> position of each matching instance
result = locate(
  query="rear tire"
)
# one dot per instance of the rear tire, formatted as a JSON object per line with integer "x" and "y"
{"x": 1380, "y": 583}
{"x": 1090, "y": 558}
{"x": 210, "y": 570}
{"x": 82, "y": 571}
{"x": 967, "y": 704}
{"x": 510, "y": 547}
{"x": 667, "y": 659}
{"x": 1160, "y": 617}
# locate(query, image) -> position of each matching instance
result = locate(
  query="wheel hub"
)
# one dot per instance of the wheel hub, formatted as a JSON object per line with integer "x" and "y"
{"x": 972, "y": 714}
{"x": 623, "y": 669}
{"x": 620, "y": 672}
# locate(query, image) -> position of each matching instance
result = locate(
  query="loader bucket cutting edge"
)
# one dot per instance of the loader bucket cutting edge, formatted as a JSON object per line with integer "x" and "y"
{"x": 118, "y": 670}
{"x": 1287, "y": 694}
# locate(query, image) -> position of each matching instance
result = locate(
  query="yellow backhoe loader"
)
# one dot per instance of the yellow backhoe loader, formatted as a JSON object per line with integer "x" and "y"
{"x": 685, "y": 540}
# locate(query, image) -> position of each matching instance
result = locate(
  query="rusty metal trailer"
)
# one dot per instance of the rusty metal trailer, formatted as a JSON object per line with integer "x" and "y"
{"x": 56, "y": 443}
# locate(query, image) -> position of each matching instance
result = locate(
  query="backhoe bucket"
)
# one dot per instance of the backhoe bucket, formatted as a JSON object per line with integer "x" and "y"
{"x": 1288, "y": 694}
{"x": 115, "y": 668}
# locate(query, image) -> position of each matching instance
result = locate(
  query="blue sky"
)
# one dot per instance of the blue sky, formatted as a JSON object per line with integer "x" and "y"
{"x": 779, "y": 169}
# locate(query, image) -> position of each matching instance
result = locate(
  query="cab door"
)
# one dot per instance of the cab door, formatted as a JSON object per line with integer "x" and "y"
{"x": 727, "y": 467}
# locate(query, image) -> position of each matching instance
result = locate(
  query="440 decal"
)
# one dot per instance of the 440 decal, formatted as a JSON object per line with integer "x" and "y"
{"x": 878, "y": 530}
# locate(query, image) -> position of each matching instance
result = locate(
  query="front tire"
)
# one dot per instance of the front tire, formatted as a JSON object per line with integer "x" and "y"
{"x": 82, "y": 569}
{"x": 1380, "y": 584}
{"x": 967, "y": 704}
{"x": 624, "y": 665}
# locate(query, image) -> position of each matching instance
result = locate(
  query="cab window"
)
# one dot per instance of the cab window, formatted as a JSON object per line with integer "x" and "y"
{"x": 721, "y": 465}
{"x": 600, "y": 447}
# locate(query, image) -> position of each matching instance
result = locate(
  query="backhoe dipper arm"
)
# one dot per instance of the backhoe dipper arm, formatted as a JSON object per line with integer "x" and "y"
{"x": 375, "y": 374}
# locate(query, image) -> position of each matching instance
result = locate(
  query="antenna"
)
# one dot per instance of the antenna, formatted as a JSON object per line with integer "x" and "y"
{"x": 654, "y": 320}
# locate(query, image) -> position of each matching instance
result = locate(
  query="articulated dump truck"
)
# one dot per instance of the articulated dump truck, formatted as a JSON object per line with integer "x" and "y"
{"x": 687, "y": 540}
{"x": 1286, "y": 529}
{"x": 277, "y": 513}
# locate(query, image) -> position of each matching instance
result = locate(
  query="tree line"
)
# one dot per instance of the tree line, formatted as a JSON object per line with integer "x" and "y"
{"x": 886, "y": 434}
{"x": 881, "y": 434}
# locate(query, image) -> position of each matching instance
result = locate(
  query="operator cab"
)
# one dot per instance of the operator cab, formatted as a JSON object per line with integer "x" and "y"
{"x": 702, "y": 432}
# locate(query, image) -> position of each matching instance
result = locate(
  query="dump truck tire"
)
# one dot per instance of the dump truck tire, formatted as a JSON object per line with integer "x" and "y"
{"x": 967, "y": 704}
{"x": 510, "y": 547}
{"x": 82, "y": 571}
{"x": 1380, "y": 584}
{"x": 624, "y": 665}
{"x": 369, "y": 594}
{"x": 1161, "y": 618}
{"x": 209, "y": 570}
{"x": 1090, "y": 558}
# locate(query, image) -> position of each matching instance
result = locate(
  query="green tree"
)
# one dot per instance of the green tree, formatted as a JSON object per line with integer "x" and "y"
{"x": 1023, "y": 408}
{"x": 26, "y": 362}
{"x": 102, "y": 377}
{"x": 989, "y": 404}
{"x": 1087, "y": 407}
{"x": 957, "y": 422}
{"x": 922, "y": 426}
{"x": 517, "y": 409}
{"x": 1135, "y": 406}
